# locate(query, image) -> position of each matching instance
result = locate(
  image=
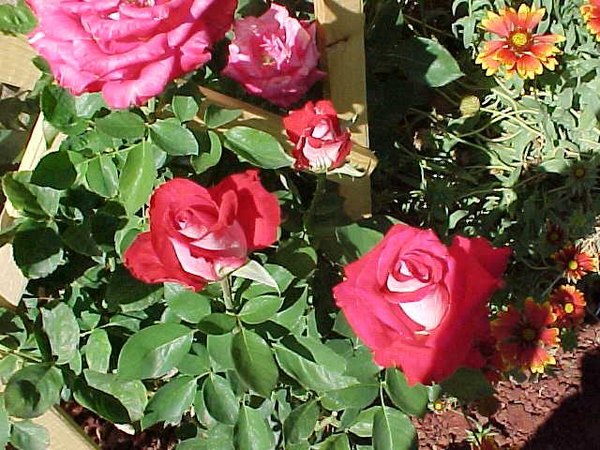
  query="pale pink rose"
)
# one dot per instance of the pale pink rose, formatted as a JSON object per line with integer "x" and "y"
{"x": 127, "y": 49}
{"x": 274, "y": 56}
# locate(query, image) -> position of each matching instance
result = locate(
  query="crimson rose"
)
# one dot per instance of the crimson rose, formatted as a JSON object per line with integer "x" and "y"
{"x": 420, "y": 305}
{"x": 198, "y": 235}
{"x": 320, "y": 142}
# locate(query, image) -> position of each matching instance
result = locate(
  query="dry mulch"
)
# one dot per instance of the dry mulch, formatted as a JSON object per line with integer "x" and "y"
{"x": 557, "y": 412}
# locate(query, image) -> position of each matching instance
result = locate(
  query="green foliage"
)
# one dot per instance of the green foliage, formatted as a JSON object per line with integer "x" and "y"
{"x": 16, "y": 19}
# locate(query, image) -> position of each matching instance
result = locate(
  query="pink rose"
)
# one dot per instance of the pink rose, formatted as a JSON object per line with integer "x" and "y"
{"x": 198, "y": 235}
{"x": 420, "y": 305}
{"x": 321, "y": 144}
{"x": 128, "y": 49}
{"x": 274, "y": 56}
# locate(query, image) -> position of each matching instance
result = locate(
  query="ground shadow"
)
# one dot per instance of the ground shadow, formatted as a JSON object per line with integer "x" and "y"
{"x": 574, "y": 424}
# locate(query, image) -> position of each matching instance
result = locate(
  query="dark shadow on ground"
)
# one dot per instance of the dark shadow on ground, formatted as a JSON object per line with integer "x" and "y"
{"x": 575, "y": 423}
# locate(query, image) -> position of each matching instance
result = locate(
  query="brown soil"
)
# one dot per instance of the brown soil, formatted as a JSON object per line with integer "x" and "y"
{"x": 557, "y": 412}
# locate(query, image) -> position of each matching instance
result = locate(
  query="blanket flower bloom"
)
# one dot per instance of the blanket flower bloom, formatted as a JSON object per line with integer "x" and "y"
{"x": 525, "y": 337}
{"x": 128, "y": 50}
{"x": 568, "y": 304}
{"x": 274, "y": 56}
{"x": 575, "y": 262}
{"x": 519, "y": 48}
{"x": 320, "y": 142}
{"x": 591, "y": 14}
{"x": 199, "y": 235}
{"x": 420, "y": 305}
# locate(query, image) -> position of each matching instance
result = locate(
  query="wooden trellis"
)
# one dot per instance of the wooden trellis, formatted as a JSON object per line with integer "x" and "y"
{"x": 341, "y": 25}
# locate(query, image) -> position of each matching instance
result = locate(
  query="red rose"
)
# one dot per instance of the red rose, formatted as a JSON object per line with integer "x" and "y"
{"x": 198, "y": 235}
{"x": 321, "y": 144}
{"x": 418, "y": 304}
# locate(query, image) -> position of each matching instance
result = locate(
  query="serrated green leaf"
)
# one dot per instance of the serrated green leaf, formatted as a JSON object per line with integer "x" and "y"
{"x": 252, "y": 432}
{"x": 392, "y": 430}
{"x": 37, "y": 251}
{"x": 363, "y": 425}
{"x": 260, "y": 309}
{"x": 217, "y": 323}
{"x": 254, "y": 362}
{"x": 173, "y": 137}
{"x": 102, "y": 176}
{"x": 410, "y": 399}
{"x": 252, "y": 270}
{"x": 131, "y": 395}
{"x": 4, "y": 424}
{"x": 122, "y": 124}
{"x": 467, "y": 385}
{"x": 185, "y": 108}
{"x": 128, "y": 294}
{"x": 16, "y": 19}
{"x": 301, "y": 422}
{"x": 357, "y": 396}
{"x": 31, "y": 200}
{"x": 154, "y": 351}
{"x": 97, "y": 351}
{"x": 31, "y": 391}
{"x": 137, "y": 178}
{"x": 190, "y": 306}
{"x": 27, "y": 435}
{"x": 210, "y": 153}
{"x": 170, "y": 402}
{"x": 220, "y": 400}
{"x": 56, "y": 170}
{"x": 215, "y": 116}
{"x": 62, "y": 329}
{"x": 257, "y": 147}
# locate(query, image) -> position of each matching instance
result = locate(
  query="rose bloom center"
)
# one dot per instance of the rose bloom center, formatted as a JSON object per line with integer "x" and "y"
{"x": 519, "y": 40}
{"x": 529, "y": 334}
{"x": 569, "y": 308}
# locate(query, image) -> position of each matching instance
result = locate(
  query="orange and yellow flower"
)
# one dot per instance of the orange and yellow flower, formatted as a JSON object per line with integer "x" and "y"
{"x": 591, "y": 14}
{"x": 519, "y": 50}
{"x": 524, "y": 338}
{"x": 568, "y": 304}
{"x": 575, "y": 262}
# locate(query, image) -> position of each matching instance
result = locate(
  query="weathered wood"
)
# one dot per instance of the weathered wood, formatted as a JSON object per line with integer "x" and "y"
{"x": 341, "y": 25}
{"x": 16, "y": 67}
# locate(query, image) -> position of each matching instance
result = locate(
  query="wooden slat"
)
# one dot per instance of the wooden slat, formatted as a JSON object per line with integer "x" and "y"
{"x": 16, "y": 67}
{"x": 341, "y": 25}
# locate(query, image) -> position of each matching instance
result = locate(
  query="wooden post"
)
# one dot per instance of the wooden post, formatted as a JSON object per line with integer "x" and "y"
{"x": 341, "y": 25}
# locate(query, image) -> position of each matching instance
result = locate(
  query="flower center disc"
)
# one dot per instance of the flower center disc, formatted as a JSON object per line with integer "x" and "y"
{"x": 519, "y": 40}
{"x": 569, "y": 308}
{"x": 572, "y": 265}
{"x": 528, "y": 334}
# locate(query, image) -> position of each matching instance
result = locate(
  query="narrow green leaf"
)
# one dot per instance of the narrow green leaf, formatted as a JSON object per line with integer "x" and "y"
{"x": 220, "y": 400}
{"x": 254, "y": 362}
{"x": 173, "y": 137}
{"x": 102, "y": 176}
{"x": 170, "y": 402}
{"x": 27, "y": 435}
{"x": 62, "y": 329}
{"x": 98, "y": 350}
{"x": 137, "y": 178}
{"x": 410, "y": 399}
{"x": 122, "y": 124}
{"x": 154, "y": 351}
{"x": 257, "y": 147}
{"x": 216, "y": 116}
{"x": 301, "y": 422}
{"x": 252, "y": 432}
{"x": 392, "y": 430}
{"x": 33, "y": 390}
